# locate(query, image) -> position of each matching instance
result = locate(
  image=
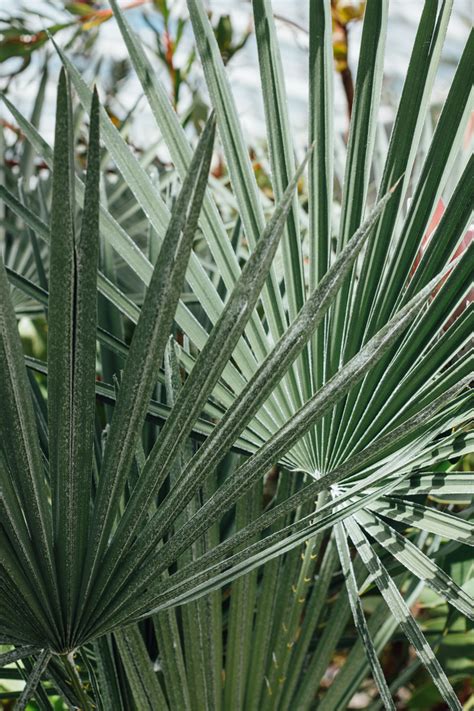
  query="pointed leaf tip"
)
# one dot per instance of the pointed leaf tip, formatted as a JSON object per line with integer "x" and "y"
{"x": 396, "y": 184}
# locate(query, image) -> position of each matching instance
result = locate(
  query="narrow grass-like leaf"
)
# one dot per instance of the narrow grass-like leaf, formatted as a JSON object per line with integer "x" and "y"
{"x": 313, "y": 612}
{"x": 107, "y": 673}
{"x": 280, "y": 147}
{"x": 117, "y": 236}
{"x": 166, "y": 624}
{"x": 84, "y": 348}
{"x": 241, "y": 613}
{"x": 27, "y": 156}
{"x": 16, "y": 529}
{"x": 359, "y": 153}
{"x": 451, "y": 226}
{"x": 61, "y": 341}
{"x": 71, "y": 352}
{"x": 437, "y": 483}
{"x": 359, "y": 617}
{"x": 403, "y": 144}
{"x": 172, "y": 663}
{"x": 40, "y": 270}
{"x": 428, "y": 519}
{"x": 443, "y": 150}
{"x": 382, "y": 627}
{"x": 16, "y": 654}
{"x": 19, "y": 436}
{"x": 417, "y": 562}
{"x": 290, "y": 610}
{"x": 391, "y": 370}
{"x": 319, "y": 661}
{"x": 266, "y": 612}
{"x": 242, "y": 176}
{"x": 146, "y": 689}
{"x": 33, "y": 680}
{"x": 320, "y": 176}
{"x": 401, "y": 612}
{"x": 282, "y": 166}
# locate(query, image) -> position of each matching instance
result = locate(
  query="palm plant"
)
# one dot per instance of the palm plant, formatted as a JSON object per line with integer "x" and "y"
{"x": 279, "y": 436}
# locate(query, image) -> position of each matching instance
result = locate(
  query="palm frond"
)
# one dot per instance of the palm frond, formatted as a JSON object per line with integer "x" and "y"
{"x": 222, "y": 455}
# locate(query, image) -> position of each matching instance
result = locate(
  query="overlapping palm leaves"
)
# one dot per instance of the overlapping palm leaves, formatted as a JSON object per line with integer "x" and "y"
{"x": 351, "y": 382}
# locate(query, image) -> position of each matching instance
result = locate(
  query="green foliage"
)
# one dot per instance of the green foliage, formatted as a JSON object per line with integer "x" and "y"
{"x": 225, "y": 454}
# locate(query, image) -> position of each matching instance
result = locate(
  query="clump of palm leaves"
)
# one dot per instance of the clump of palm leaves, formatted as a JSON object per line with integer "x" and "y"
{"x": 199, "y": 487}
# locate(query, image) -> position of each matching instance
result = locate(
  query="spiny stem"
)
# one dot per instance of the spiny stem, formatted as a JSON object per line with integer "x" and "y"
{"x": 76, "y": 682}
